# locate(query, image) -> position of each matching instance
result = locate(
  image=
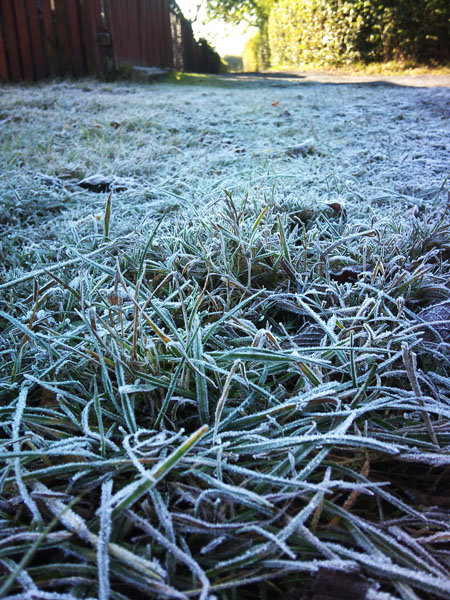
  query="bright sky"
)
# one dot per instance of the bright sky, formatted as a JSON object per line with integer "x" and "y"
{"x": 227, "y": 39}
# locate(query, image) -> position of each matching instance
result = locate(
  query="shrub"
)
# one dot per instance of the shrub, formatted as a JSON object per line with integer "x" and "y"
{"x": 234, "y": 63}
{"x": 210, "y": 61}
{"x": 256, "y": 55}
{"x": 346, "y": 31}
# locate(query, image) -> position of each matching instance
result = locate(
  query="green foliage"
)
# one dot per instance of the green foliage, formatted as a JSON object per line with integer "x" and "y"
{"x": 347, "y": 31}
{"x": 210, "y": 60}
{"x": 234, "y": 63}
{"x": 253, "y": 12}
{"x": 256, "y": 55}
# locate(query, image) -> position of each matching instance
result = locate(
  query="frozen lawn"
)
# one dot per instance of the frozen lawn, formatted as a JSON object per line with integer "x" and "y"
{"x": 219, "y": 381}
{"x": 373, "y": 146}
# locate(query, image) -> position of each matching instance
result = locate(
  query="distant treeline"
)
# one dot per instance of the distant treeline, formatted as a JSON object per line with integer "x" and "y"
{"x": 337, "y": 32}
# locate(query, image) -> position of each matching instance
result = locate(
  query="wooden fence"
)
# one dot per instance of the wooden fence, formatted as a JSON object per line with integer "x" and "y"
{"x": 185, "y": 47}
{"x": 140, "y": 31}
{"x": 42, "y": 38}
{"x": 49, "y": 38}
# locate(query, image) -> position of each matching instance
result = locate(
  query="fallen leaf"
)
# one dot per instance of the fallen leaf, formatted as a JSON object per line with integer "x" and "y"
{"x": 334, "y": 584}
{"x": 48, "y": 398}
{"x": 347, "y": 274}
{"x": 105, "y": 183}
{"x": 336, "y": 206}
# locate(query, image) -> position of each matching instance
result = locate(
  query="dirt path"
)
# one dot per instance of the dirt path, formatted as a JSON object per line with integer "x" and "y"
{"x": 425, "y": 81}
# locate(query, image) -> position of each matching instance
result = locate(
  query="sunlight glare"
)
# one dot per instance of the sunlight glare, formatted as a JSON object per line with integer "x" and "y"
{"x": 227, "y": 39}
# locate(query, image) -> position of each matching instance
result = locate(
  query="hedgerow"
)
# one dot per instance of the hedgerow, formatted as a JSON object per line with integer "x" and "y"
{"x": 347, "y": 31}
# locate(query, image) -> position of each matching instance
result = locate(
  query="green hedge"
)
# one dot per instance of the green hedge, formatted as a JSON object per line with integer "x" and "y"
{"x": 209, "y": 59}
{"x": 347, "y": 31}
{"x": 256, "y": 55}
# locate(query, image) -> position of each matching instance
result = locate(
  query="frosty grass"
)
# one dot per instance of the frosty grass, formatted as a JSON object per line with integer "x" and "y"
{"x": 217, "y": 382}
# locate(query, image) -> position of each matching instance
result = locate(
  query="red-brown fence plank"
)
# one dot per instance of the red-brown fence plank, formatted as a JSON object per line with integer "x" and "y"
{"x": 129, "y": 25}
{"x": 41, "y": 68}
{"x": 168, "y": 47}
{"x": 145, "y": 38}
{"x": 141, "y": 7}
{"x": 150, "y": 33}
{"x": 62, "y": 38}
{"x": 143, "y": 32}
{"x": 73, "y": 23}
{"x": 65, "y": 40}
{"x": 154, "y": 32}
{"x": 134, "y": 28}
{"x": 158, "y": 8}
{"x": 49, "y": 37}
{"x": 109, "y": 24}
{"x": 123, "y": 30}
{"x": 92, "y": 26}
{"x": 11, "y": 41}
{"x": 4, "y": 75}
{"x": 120, "y": 34}
{"x": 121, "y": 19}
{"x": 24, "y": 39}
{"x": 114, "y": 27}
{"x": 162, "y": 21}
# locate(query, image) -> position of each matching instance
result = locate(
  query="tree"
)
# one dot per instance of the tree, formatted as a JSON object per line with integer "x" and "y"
{"x": 253, "y": 12}
{"x": 341, "y": 31}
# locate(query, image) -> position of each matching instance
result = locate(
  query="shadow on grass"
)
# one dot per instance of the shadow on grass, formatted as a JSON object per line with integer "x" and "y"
{"x": 290, "y": 79}
{"x": 229, "y": 80}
